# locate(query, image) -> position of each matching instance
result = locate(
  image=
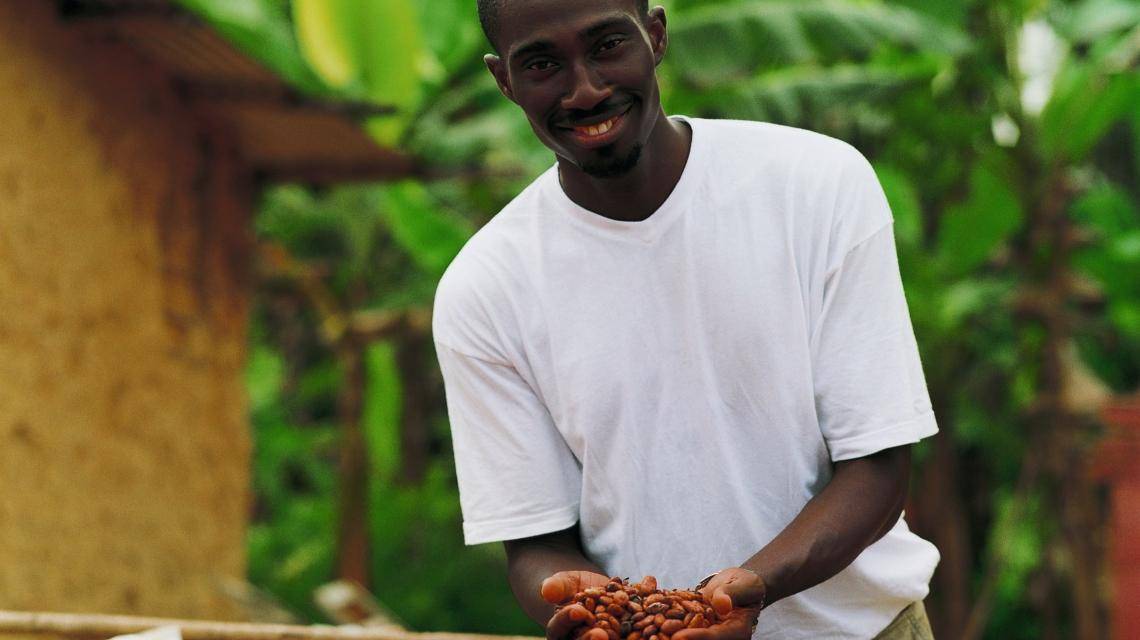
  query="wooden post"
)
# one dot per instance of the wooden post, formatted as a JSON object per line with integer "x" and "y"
{"x": 1118, "y": 463}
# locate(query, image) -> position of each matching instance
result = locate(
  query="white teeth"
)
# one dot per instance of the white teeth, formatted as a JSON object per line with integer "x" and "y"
{"x": 599, "y": 129}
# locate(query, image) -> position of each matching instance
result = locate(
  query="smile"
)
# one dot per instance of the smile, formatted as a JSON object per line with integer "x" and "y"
{"x": 602, "y": 133}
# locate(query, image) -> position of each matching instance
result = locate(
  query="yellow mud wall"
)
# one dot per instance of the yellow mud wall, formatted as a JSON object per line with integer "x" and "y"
{"x": 124, "y": 246}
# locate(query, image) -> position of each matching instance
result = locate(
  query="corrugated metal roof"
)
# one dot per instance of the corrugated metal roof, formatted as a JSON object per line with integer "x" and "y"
{"x": 284, "y": 135}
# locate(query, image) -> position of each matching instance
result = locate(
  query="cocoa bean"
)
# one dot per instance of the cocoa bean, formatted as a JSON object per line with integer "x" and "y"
{"x": 638, "y": 616}
{"x": 656, "y": 607}
{"x": 672, "y": 626}
{"x": 650, "y": 630}
{"x": 675, "y": 613}
{"x": 659, "y": 619}
{"x": 698, "y": 622}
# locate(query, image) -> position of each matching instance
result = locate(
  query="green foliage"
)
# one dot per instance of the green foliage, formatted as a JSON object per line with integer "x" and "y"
{"x": 430, "y": 236}
{"x": 972, "y": 230}
{"x": 913, "y": 84}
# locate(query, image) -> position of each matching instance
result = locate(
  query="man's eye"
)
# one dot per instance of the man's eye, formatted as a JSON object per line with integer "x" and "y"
{"x": 540, "y": 65}
{"x": 607, "y": 45}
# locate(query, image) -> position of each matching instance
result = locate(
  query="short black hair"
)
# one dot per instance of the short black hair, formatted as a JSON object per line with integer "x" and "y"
{"x": 489, "y": 18}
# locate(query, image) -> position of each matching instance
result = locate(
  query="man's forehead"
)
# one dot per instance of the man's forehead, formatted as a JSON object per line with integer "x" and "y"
{"x": 524, "y": 22}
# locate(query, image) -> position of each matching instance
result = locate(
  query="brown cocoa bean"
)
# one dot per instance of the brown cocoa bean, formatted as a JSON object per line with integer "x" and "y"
{"x": 650, "y": 630}
{"x": 600, "y": 608}
{"x": 634, "y": 635}
{"x": 688, "y": 617}
{"x": 698, "y": 622}
{"x": 638, "y": 616}
{"x": 613, "y": 635}
{"x": 615, "y": 610}
{"x": 654, "y": 598}
{"x": 643, "y": 623}
{"x": 691, "y": 607}
{"x": 635, "y": 607}
{"x": 672, "y": 626}
{"x": 656, "y": 607}
{"x": 659, "y": 619}
{"x": 675, "y": 613}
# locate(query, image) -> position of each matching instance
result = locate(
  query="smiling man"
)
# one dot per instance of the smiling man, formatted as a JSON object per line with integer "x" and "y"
{"x": 683, "y": 349}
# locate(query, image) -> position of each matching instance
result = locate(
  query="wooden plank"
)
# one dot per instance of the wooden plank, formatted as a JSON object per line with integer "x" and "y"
{"x": 79, "y": 625}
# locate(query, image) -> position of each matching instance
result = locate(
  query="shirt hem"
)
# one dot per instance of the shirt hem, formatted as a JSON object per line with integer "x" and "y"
{"x": 908, "y": 432}
{"x": 515, "y": 528}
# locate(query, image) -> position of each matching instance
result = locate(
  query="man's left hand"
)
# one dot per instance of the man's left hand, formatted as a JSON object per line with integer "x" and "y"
{"x": 738, "y": 596}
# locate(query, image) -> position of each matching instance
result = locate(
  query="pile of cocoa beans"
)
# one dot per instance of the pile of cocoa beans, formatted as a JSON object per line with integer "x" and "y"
{"x": 641, "y": 611}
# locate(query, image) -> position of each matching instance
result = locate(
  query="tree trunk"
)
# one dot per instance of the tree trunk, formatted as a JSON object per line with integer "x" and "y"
{"x": 352, "y": 560}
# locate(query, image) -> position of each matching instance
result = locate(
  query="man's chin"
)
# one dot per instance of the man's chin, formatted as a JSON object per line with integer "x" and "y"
{"x": 613, "y": 167}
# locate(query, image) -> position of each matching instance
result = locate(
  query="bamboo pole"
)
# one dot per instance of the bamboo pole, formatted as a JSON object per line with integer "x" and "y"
{"x": 84, "y": 625}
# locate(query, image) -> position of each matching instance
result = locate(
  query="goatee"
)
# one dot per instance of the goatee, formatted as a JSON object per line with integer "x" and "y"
{"x": 614, "y": 167}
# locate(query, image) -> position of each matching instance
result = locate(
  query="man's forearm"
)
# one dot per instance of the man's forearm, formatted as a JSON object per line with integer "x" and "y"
{"x": 858, "y": 506}
{"x": 532, "y": 560}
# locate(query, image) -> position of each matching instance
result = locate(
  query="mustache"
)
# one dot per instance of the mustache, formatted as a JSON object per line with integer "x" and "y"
{"x": 574, "y": 118}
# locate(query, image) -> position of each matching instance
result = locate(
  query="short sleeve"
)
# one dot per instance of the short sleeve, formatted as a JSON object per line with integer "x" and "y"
{"x": 870, "y": 391}
{"x": 517, "y": 476}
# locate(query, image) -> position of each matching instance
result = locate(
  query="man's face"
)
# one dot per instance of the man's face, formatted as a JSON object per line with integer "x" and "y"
{"x": 584, "y": 74}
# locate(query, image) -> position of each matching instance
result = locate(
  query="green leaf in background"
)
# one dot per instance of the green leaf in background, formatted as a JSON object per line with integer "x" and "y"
{"x": 716, "y": 42}
{"x": 372, "y": 44}
{"x": 1085, "y": 103}
{"x": 431, "y": 236}
{"x": 452, "y": 33}
{"x": 261, "y": 29}
{"x": 326, "y": 32}
{"x": 1108, "y": 210}
{"x": 1093, "y": 19}
{"x": 905, "y": 206}
{"x": 972, "y": 230}
{"x": 382, "y": 407}
{"x": 393, "y": 57}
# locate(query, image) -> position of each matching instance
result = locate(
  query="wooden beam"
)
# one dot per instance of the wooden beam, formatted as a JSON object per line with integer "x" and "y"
{"x": 76, "y": 625}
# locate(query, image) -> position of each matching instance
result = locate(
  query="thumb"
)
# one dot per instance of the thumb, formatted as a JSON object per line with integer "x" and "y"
{"x": 741, "y": 588}
{"x": 561, "y": 586}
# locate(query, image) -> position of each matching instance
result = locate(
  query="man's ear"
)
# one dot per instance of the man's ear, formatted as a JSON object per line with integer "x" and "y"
{"x": 498, "y": 68}
{"x": 658, "y": 35}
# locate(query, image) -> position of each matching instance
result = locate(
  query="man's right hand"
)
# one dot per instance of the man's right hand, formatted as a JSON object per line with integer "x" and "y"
{"x": 558, "y": 589}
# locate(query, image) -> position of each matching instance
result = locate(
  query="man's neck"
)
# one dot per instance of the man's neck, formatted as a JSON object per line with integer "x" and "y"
{"x": 637, "y": 194}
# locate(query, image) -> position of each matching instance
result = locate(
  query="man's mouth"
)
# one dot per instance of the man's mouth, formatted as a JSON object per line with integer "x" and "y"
{"x": 600, "y": 133}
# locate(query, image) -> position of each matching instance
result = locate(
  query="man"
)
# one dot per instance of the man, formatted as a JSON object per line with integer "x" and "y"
{"x": 683, "y": 349}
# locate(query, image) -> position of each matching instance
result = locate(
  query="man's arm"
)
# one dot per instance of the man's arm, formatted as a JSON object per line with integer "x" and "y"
{"x": 549, "y": 568}
{"x": 858, "y": 506}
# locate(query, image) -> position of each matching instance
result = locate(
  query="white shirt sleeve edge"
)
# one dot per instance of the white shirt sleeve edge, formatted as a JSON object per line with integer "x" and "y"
{"x": 480, "y": 532}
{"x": 865, "y": 444}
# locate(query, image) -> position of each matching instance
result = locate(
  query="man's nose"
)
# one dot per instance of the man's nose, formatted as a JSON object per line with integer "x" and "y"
{"x": 587, "y": 90}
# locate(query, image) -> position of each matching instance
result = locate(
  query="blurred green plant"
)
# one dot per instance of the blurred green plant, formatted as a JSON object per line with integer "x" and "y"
{"x": 1005, "y": 135}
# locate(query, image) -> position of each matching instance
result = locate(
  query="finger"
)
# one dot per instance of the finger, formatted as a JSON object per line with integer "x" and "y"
{"x": 721, "y": 601}
{"x": 694, "y": 634}
{"x": 565, "y": 619}
{"x": 559, "y": 587}
{"x": 743, "y": 590}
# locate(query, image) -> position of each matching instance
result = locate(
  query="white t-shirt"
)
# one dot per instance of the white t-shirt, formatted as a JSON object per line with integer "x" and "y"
{"x": 681, "y": 385}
